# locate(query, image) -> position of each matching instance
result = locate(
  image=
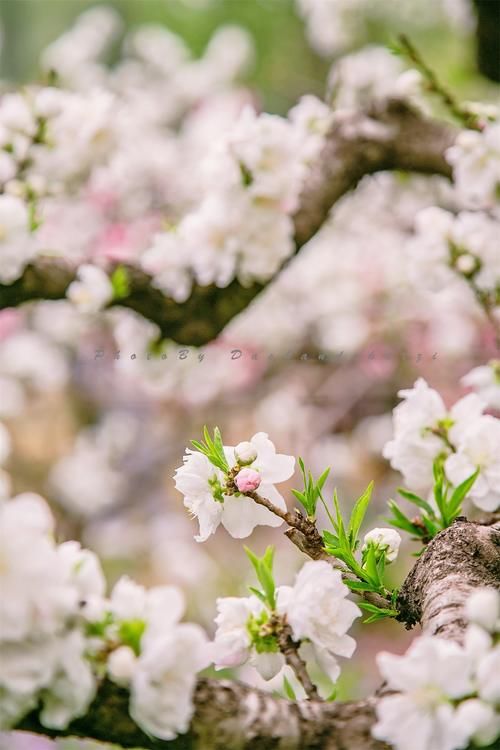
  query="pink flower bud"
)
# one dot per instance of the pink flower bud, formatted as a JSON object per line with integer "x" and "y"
{"x": 247, "y": 480}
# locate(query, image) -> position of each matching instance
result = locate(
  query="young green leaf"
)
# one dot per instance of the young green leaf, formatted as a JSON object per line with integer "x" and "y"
{"x": 358, "y": 514}
{"x": 416, "y": 500}
{"x": 376, "y": 613}
{"x": 263, "y": 567}
{"x": 288, "y": 690}
{"x": 213, "y": 449}
{"x": 120, "y": 282}
{"x": 453, "y": 506}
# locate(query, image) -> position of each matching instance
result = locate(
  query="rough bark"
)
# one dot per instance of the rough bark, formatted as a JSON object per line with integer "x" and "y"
{"x": 435, "y": 591}
{"x": 231, "y": 716}
{"x": 391, "y": 136}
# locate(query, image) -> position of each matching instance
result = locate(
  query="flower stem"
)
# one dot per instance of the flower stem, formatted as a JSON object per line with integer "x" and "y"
{"x": 464, "y": 115}
{"x": 290, "y": 650}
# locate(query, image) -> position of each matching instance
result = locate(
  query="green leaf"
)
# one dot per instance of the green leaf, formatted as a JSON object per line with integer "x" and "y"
{"x": 213, "y": 449}
{"x": 288, "y": 689}
{"x": 360, "y": 585}
{"x": 416, "y": 500}
{"x": 120, "y": 282}
{"x": 358, "y": 514}
{"x": 401, "y": 521}
{"x": 370, "y": 564}
{"x": 130, "y": 633}
{"x": 263, "y": 567}
{"x": 330, "y": 539}
{"x": 340, "y": 528}
{"x": 258, "y": 594}
{"x": 459, "y": 494}
{"x": 431, "y": 526}
{"x": 323, "y": 477}
{"x": 376, "y": 613}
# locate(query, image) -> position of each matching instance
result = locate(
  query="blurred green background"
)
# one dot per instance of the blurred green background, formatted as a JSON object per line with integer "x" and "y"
{"x": 285, "y": 67}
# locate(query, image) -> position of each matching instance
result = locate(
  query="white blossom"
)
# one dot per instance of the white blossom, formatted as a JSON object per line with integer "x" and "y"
{"x": 421, "y": 716}
{"x": 37, "y": 595}
{"x": 475, "y": 158}
{"x": 122, "y": 663}
{"x": 92, "y": 289}
{"x": 312, "y": 118}
{"x": 262, "y": 153}
{"x": 485, "y": 381}
{"x": 245, "y": 453}
{"x": 73, "y": 685}
{"x": 385, "y": 540}
{"x": 203, "y": 485}
{"x": 370, "y": 75}
{"x": 421, "y": 422}
{"x": 479, "y": 448}
{"x": 233, "y": 644}
{"x": 483, "y": 608}
{"x": 487, "y": 672}
{"x": 442, "y": 243}
{"x": 162, "y": 686}
{"x": 317, "y": 609}
{"x": 16, "y": 247}
{"x": 480, "y": 721}
{"x": 43, "y": 653}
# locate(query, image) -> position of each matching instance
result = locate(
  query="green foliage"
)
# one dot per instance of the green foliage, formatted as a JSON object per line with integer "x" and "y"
{"x": 213, "y": 449}
{"x": 376, "y": 613}
{"x": 120, "y": 282}
{"x": 263, "y": 567}
{"x": 288, "y": 690}
{"x": 448, "y": 506}
{"x": 262, "y": 635}
{"x": 343, "y": 544}
{"x": 130, "y": 633}
{"x": 312, "y": 490}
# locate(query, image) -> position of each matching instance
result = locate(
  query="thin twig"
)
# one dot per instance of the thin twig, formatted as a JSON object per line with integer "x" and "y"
{"x": 464, "y": 115}
{"x": 290, "y": 650}
{"x": 305, "y": 535}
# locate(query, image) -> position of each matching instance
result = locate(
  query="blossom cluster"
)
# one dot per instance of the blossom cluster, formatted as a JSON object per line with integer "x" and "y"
{"x": 446, "y": 695}
{"x": 242, "y": 227}
{"x": 315, "y": 608}
{"x": 60, "y": 635}
{"x": 463, "y": 438}
{"x": 215, "y": 494}
{"x": 446, "y": 247}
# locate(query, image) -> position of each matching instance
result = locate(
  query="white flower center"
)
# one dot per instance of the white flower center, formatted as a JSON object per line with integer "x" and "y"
{"x": 429, "y": 697}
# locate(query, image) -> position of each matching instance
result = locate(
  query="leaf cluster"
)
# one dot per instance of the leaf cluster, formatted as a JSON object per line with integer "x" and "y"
{"x": 448, "y": 506}
{"x": 213, "y": 449}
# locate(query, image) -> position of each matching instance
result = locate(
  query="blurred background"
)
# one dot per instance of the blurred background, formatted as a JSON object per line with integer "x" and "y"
{"x": 316, "y": 362}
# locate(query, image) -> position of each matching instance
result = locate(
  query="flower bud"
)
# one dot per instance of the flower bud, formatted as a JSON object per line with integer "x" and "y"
{"x": 121, "y": 665}
{"x": 387, "y": 540}
{"x": 466, "y": 263}
{"x": 483, "y": 608}
{"x": 245, "y": 453}
{"x": 248, "y": 480}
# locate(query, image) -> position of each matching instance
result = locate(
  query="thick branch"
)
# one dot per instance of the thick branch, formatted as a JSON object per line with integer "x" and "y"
{"x": 391, "y": 136}
{"x": 231, "y": 716}
{"x": 460, "y": 559}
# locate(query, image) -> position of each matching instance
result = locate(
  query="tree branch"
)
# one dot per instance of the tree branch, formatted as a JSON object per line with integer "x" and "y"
{"x": 390, "y": 136}
{"x": 232, "y": 716}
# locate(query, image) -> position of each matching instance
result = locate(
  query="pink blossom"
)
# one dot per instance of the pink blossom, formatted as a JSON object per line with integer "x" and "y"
{"x": 248, "y": 480}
